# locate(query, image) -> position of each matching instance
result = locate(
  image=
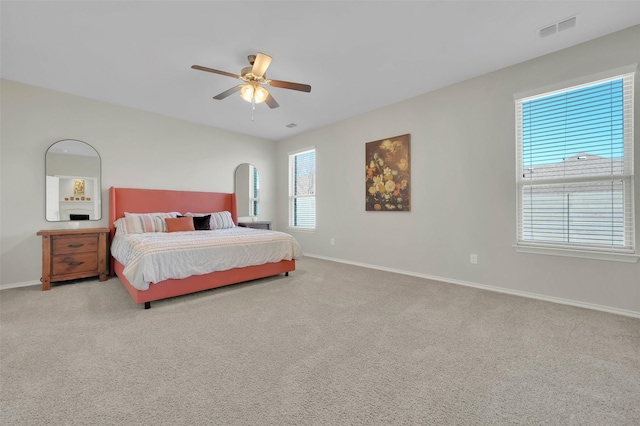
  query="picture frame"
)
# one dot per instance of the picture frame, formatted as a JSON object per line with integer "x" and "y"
{"x": 388, "y": 174}
{"x": 78, "y": 187}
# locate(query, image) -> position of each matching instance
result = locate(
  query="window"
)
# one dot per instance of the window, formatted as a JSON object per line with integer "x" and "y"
{"x": 255, "y": 196}
{"x": 302, "y": 190}
{"x": 575, "y": 167}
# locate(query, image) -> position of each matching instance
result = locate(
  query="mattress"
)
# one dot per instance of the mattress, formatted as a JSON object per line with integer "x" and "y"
{"x": 157, "y": 256}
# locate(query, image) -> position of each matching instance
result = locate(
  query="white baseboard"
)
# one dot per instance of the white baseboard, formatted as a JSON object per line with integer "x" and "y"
{"x": 16, "y": 285}
{"x": 559, "y": 300}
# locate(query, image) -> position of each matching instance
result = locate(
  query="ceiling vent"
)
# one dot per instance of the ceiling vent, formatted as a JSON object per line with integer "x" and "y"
{"x": 547, "y": 31}
{"x": 566, "y": 24}
{"x": 563, "y": 25}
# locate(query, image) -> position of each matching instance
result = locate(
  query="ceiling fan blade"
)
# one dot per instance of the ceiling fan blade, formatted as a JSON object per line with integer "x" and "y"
{"x": 261, "y": 64}
{"x": 271, "y": 102}
{"x": 228, "y": 92}
{"x": 289, "y": 85}
{"x": 201, "y": 68}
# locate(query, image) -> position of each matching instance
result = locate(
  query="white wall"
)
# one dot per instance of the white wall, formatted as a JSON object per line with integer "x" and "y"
{"x": 463, "y": 186}
{"x": 138, "y": 150}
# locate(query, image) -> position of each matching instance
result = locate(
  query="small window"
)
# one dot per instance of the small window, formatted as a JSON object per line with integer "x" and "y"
{"x": 302, "y": 190}
{"x": 575, "y": 167}
{"x": 255, "y": 196}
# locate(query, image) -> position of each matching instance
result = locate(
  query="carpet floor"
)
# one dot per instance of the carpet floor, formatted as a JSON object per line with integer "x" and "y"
{"x": 332, "y": 344}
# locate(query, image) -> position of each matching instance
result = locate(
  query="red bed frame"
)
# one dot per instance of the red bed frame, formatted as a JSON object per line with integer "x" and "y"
{"x": 135, "y": 200}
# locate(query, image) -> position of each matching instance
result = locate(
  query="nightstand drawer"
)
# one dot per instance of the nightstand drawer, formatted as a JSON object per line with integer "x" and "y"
{"x": 74, "y": 263}
{"x": 79, "y": 244}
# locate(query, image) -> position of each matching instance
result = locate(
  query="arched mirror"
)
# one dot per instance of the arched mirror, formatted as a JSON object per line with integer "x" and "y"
{"x": 248, "y": 190}
{"x": 73, "y": 188}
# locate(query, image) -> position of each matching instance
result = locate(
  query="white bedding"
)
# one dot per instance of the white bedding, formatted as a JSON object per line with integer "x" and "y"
{"x": 156, "y": 256}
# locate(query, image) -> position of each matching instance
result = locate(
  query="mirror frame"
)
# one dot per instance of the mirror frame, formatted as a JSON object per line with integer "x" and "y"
{"x": 54, "y": 201}
{"x": 246, "y": 203}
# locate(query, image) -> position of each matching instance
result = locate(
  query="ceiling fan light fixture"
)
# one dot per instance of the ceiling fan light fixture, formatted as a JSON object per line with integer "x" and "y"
{"x": 246, "y": 92}
{"x": 260, "y": 94}
{"x": 257, "y": 94}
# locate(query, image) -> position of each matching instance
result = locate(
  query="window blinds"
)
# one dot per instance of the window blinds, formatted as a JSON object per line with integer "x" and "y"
{"x": 255, "y": 196}
{"x": 575, "y": 167}
{"x": 302, "y": 189}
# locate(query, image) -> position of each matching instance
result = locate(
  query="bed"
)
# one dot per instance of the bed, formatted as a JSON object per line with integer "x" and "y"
{"x": 136, "y": 200}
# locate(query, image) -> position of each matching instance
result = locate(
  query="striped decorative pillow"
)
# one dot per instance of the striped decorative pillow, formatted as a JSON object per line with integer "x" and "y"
{"x": 219, "y": 220}
{"x": 161, "y": 214}
{"x": 222, "y": 220}
{"x": 140, "y": 223}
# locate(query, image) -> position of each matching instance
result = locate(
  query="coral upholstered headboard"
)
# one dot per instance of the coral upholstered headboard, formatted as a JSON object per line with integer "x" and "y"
{"x": 135, "y": 200}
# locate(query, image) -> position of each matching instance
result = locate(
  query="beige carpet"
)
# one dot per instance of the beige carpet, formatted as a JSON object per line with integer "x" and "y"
{"x": 331, "y": 344}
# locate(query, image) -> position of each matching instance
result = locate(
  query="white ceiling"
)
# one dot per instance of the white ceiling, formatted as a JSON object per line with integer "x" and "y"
{"x": 356, "y": 55}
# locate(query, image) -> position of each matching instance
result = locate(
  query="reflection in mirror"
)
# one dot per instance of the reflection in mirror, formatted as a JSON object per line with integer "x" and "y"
{"x": 247, "y": 190}
{"x": 73, "y": 188}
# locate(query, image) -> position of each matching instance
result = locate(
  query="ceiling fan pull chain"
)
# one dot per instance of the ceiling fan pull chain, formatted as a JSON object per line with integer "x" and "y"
{"x": 253, "y": 106}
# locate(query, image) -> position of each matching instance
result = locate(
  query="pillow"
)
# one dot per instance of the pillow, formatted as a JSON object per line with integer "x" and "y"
{"x": 162, "y": 214}
{"x": 119, "y": 225}
{"x": 222, "y": 220}
{"x": 219, "y": 220}
{"x": 178, "y": 224}
{"x": 201, "y": 223}
{"x": 139, "y": 224}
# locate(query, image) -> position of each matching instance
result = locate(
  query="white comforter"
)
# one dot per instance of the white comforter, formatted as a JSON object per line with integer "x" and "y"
{"x": 157, "y": 256}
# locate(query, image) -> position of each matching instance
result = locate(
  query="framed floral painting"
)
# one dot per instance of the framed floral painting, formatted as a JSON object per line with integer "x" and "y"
{"x": 388, "y": 174}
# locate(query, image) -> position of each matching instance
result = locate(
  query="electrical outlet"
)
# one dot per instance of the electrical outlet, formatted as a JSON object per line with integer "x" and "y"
{"x": 333, "y": 241}
{"x": 473, "y": 258}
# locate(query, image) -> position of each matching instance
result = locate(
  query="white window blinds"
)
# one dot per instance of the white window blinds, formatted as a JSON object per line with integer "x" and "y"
{"x": 575, "y": 167}
{"x": 302, "y": 189}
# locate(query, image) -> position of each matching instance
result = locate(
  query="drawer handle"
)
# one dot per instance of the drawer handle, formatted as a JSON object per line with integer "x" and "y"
{"x": 75, "y": 263}
{"x": 75, "y": 245}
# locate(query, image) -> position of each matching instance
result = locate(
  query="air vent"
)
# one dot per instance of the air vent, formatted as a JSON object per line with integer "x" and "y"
{"x": 563, "y": 25}
{"x": 566, "y": 24}
{"x": 547, "y": 31}
{"x": 292, "y": 125}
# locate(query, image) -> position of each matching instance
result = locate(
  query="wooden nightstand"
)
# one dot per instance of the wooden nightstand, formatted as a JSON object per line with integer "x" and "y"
{"x": 264, "y": 224}
{"x": 68, "y": 254}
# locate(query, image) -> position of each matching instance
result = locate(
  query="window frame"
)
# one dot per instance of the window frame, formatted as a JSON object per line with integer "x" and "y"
{"x": 628, "y": 176}
{"x": 292, "y": 197}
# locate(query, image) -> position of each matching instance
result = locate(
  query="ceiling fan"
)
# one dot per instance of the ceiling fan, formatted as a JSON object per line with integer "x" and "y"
{"x": 254, "y": 77}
